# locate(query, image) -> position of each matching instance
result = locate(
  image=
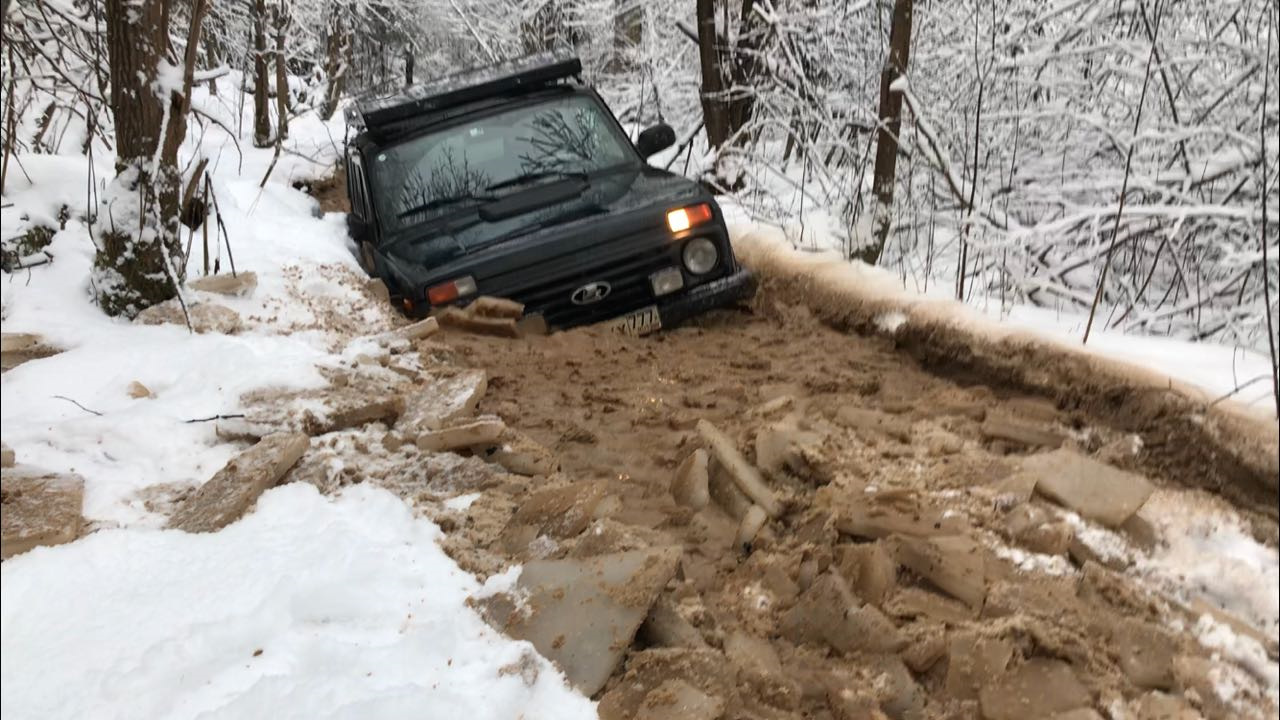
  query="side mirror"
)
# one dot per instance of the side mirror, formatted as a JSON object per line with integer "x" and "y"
{"x": 655, "y": 139}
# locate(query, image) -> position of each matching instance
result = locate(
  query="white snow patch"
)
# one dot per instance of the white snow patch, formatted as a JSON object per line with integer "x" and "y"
{"x": 890, "y": 322}
{"x": 1033, "y": 562}
{"x": 1244, "y": 650}
{"x": 1107, "y": 544}
{"x": 306, "y": 608}
{"x": 1207, "y": 550}
{"x": 461, "y": 502}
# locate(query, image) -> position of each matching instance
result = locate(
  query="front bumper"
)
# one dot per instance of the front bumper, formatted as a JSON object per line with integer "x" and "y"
{"x": 718, "y": 293}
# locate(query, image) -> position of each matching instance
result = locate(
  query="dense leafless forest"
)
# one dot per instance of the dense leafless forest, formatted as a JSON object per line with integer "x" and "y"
{"x": 1110, "y": 157}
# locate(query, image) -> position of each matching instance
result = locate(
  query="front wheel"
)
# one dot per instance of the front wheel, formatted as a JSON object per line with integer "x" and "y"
{"x": 366, "y": 259}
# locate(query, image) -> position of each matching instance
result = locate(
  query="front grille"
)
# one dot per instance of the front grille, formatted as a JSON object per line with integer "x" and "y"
{"x": 546, "y": 287}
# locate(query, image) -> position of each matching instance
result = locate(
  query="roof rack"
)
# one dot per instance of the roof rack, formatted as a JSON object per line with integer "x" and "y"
{"x": 518, "y": 74}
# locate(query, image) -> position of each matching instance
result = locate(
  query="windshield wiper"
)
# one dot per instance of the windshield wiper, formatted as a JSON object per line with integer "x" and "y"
{"x": 446, "y": 201}
{"x": 539, "y": 175}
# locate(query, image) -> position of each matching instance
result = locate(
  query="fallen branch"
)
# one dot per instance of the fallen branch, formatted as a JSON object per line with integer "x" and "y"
{"x": 211, "y": 418}
{"x": 73, "y": 402}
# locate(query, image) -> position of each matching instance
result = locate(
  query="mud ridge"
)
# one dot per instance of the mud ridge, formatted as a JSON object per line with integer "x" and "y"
{"x": 1223, "y": 448}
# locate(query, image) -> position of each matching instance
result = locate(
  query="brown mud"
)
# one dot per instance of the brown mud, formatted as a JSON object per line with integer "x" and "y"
{"x": 909, "y": 570}
{"x": 821, "y": 617}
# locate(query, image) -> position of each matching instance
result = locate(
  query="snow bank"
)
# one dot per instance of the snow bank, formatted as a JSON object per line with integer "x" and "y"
{"x": 275, "y": 231}
{"x": 306, "y": 608}
{"x": 950, "y": 334}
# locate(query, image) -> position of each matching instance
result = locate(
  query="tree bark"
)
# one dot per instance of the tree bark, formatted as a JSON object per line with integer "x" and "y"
{"x": 336, "y": 64}
{"x": 884, "y": 175}
{"x": 727, "y": 73}
{"x": 261, "y": 100}
{"x": 715, "y": 111}
{"x": 139, "y": 254}
{"x": 282, "y": 75}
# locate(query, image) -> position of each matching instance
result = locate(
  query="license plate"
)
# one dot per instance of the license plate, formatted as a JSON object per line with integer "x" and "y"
{"x": 640, "y": 322}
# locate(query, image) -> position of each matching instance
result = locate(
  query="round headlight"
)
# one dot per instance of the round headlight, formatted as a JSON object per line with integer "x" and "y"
{"x": 700, "y": 256}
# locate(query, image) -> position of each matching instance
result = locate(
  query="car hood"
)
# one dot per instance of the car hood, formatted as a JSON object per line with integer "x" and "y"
{"x": 627, "y": 197}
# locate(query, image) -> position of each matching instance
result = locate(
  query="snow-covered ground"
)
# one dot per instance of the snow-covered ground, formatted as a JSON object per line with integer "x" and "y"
{"x": 309, "y": 607}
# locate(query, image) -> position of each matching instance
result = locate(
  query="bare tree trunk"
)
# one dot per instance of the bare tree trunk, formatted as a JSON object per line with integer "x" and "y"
{"x": 139, "y": 254}
{"x": 282, "y": 76}
{"x": 727, "y": 73}
{"x": 408, "y": 65}
{"x": 337, "y": 64}
{"x": 715, "y": 110}
{"x": 884, "y": 175}
{"x": 261, "y": 110}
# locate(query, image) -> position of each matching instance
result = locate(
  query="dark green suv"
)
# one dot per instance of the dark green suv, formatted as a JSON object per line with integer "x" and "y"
{"x": 517, "y": 181}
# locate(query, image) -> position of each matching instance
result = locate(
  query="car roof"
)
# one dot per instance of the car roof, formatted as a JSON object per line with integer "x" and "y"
{"x": 385, "y": 116}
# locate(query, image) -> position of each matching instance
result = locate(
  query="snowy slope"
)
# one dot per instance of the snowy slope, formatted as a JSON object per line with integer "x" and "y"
{"x": 356, "y": 610}
{"x": 307, "y": 608}
{"x": 1221, "y": 371}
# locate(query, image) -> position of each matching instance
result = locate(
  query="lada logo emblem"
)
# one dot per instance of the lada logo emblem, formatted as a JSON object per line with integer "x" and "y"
{"x": 591, "y": 293}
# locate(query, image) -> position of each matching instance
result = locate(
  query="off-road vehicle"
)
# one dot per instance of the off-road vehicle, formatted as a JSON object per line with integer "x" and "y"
{"x": 517, "y": 181}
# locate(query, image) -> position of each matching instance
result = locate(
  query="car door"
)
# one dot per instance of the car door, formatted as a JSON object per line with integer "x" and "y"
{"x": 360, "y": 224}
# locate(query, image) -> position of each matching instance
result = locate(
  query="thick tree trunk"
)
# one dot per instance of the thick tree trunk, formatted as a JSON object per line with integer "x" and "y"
{"x": 727, "y": 75}
{"x": 261, "y": 79}
{"x": 884, "y": 176}
{"x": 715, "y": 108}
{"x": 137, "y": 242}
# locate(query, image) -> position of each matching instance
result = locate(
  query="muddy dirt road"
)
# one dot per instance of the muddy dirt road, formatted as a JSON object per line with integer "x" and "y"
{"x": 944, "y": 531}
{"x": 910, "y": 570}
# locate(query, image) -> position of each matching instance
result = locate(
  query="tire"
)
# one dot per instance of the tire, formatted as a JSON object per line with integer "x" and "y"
{"x": 366, "y": 259}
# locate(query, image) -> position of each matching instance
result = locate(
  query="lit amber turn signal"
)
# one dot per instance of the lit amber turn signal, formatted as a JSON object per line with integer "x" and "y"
{"x": 682, "y": 219}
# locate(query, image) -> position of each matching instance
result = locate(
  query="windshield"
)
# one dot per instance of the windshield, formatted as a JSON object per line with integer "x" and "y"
{"x": 466, "y": 164}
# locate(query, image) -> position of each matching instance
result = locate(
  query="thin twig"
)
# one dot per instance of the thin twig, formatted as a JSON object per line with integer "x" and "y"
{"x": 214, "y": 417}
{"x": 73, "y": 402}
{"x": 1238, "y": 388}
{"x": 1262, "y": 201}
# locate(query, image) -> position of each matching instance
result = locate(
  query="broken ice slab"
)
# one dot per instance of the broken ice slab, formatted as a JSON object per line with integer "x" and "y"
{"x": 953, "y": 563}
{"x": 583, "y": 614}
{"x": 1095, "y": 490}
{"x": 17, "y": 348}
{"x": 889, "y": 512}
{"x": 39, "y": 509}
{"x": 1039, "y": 688}
{"x": 689, "y": 486}
{"x": 467, "y": 322}
{"x": 828, "y": 613}
{"x": 237, "y": 284}
{"x": 743, "y": 473}
{"x": 480, "y": 431}
{"x": 226, "y": 496}
{"x": 442, "y": 398}
{"x": 493, "y": 307}
{"x": 560, "y": 512}
{"x": 519, "y": 454}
